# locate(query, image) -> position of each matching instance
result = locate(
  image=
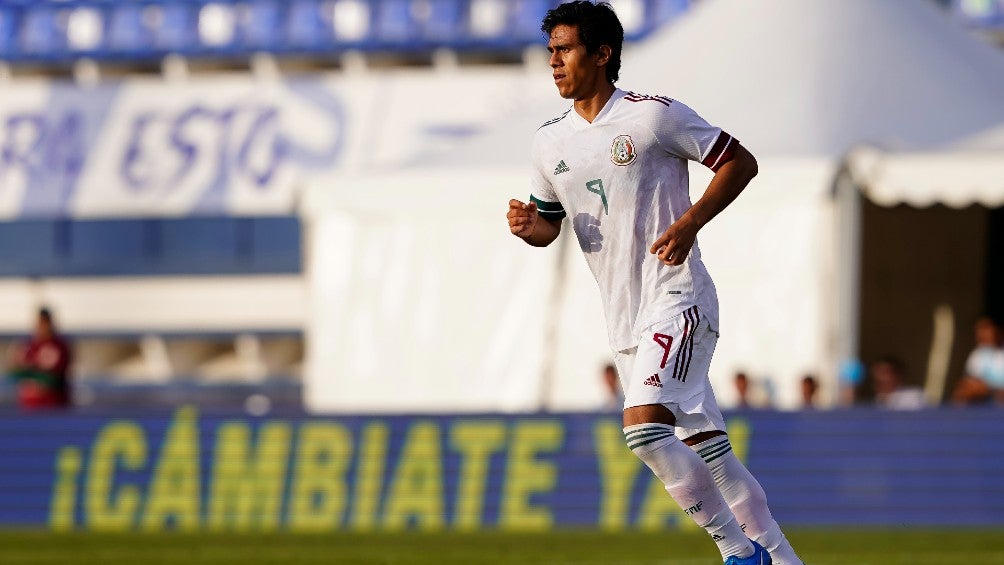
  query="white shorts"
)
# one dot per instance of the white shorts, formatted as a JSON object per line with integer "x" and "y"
{"x": 670, "y": 367}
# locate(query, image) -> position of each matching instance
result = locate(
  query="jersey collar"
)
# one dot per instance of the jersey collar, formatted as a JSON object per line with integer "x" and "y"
{"x": 580, "y": 123}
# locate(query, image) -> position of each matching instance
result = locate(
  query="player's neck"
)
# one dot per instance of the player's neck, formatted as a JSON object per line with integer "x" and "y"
{"x": 590, "y": 106}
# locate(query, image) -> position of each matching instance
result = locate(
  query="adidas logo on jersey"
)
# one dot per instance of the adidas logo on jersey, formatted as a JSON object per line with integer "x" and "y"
{"x": 561, "y": 168}
{"x": 653, "y": 381}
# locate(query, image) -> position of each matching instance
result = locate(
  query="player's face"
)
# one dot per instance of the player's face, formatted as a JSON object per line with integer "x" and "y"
{"x": 577, "y": 74}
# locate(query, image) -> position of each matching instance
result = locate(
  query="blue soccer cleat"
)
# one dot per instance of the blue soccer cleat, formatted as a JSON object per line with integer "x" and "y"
{"x": 759, "y": 557}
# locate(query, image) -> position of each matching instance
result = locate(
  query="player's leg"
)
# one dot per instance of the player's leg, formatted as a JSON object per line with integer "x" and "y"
{"x": 739, "y": 488}
{"x": 653, "y": 381}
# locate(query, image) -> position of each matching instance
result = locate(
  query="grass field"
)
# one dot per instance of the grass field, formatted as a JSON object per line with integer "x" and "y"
{"x": 818, "y": 547}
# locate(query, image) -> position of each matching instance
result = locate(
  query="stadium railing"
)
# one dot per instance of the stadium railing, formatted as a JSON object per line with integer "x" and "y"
{"x": 157, "y": 302}
{"x": 48, "y": 31}
{"x": 163, "y": 369}
{"x": 62, "y": 247}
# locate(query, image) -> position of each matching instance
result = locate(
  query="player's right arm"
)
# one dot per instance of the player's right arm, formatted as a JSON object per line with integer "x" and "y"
{"x": 538, "y": 221}
{"x": 526, "y": 223}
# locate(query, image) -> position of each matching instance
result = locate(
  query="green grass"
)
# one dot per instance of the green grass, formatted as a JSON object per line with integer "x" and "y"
{"x": 818, "y": 547}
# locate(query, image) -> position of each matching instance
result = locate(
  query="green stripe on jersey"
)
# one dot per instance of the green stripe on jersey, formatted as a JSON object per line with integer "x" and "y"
{"x": 550, "y": 210}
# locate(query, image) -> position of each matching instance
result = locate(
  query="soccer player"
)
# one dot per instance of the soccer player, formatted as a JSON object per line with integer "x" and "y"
{"x": 616, "y": 162}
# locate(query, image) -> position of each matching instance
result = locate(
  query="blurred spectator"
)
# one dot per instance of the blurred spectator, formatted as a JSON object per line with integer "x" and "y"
{"x": 41, "y": 367}
{"x": 888, "y": 376}
{"x": 612, "y": 384}
{"x": 852, "y": 378}
{"x": 809, "y": 387}
{"x": 742, "y": 390}
{"x": 984, "y": 378}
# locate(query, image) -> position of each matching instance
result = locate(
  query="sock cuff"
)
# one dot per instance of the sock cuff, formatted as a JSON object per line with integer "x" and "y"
{"x": 642, "y": 438}
{"x": 713, "y": 449}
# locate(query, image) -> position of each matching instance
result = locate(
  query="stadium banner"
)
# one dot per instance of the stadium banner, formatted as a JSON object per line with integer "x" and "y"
{"x": 234, "y": 143}
{"x": 203, "y": 472}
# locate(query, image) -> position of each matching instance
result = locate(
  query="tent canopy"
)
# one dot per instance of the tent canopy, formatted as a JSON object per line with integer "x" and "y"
{"x": 959, "y": 174}
{"x": 789, "y": 77}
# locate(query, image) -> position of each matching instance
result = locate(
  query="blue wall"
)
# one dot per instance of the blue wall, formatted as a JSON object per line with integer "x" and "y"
{"x": 215, "y": 245}
{"x": 188, "y": 470}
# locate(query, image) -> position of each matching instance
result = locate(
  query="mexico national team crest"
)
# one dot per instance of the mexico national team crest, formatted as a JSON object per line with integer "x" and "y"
{"x": 622, "y": 151}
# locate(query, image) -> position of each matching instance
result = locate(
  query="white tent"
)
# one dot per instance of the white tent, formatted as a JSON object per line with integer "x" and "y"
{"x": 956, "y": 174}
{"x": 800, "y": 83}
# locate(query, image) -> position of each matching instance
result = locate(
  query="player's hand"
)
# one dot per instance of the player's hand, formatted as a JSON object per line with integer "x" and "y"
{"x": 675, "y": 243}
{"x": 522, "y": 218}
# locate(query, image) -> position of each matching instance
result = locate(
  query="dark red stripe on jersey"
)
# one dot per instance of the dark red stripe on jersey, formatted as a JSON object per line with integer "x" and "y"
{"x": 686, "y": 351}
{"x": 690, "y": 345}
{"x": 721, "y": 152}
{"x": 632, "y": 97}
{"x": 647, "y": 99}
{"x": 630, "y": 94}
{"x": 683, "y": 347}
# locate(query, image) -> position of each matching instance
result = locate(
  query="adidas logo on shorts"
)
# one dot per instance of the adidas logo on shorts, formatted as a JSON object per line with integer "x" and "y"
{"x": 653, "y": 381}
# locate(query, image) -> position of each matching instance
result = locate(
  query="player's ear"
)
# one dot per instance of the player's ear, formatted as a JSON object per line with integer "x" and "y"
{"x": 603, "y": 55}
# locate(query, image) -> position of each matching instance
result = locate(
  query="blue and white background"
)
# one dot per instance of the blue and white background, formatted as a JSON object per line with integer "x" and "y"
{"x": 223, "y": 147}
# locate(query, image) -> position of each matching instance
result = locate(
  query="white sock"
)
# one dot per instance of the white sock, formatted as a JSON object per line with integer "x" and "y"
{"x": 746, "y": 498}
{"x": 689, "y": 481}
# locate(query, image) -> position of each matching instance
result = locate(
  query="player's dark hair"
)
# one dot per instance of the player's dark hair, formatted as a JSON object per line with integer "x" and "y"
{"x": 597, "y": 24}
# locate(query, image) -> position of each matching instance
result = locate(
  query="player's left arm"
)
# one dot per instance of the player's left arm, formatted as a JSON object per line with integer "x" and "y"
{"x": 674, "y": 245}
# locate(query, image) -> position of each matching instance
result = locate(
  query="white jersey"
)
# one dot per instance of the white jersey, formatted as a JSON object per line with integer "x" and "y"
{"x": 623, "y": 180}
